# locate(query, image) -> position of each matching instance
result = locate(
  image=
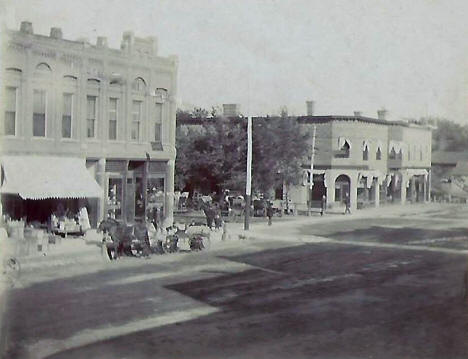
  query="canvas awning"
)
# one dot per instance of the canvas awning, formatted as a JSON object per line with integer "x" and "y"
{"x": 342, "y": 141}
{"x": 41, "y": 177}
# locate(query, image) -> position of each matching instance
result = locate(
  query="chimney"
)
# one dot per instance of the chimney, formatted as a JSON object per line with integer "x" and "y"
{"x": 101, "y": 42}
{"x": 357, "y": 113}
{"x": 128, "y": 39}
{"x": 310, "y": 108}
{"x": 56, "y": 33}
{"x": 231, "y": 110}
{"x": 26, "y": 27}
{"x": 381, "y": 114}
{"x": 153, "y": 40}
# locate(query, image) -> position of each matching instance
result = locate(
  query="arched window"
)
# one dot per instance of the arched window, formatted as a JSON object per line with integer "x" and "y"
{"x": 93, "y": 82}
{"x": 43, "y": 68}
{"x": 139, "y": 84}
{"x": 344, "y": 149}
{"x": 70, "y": 78}
{"x": 378, "y": 154}
{"x": 365, "y": 151}
{"x": 14, "y": 70}
{"x": 392, "y": 154}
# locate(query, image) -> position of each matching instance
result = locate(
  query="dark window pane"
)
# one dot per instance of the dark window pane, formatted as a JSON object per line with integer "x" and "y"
{"x": 10, "y": 123}
{"x": 112, "y": 130}
{"x": 66, "y": 126}
{"x": 39, "y": 124}
{"x": 157, "y": 132}
{"x": 90, "y": 128}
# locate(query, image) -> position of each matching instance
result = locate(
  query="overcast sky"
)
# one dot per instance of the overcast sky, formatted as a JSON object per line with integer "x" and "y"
{"x": 410, "y": 57}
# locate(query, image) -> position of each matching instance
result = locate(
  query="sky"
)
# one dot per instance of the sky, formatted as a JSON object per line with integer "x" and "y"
{"x": 409, "y": 57}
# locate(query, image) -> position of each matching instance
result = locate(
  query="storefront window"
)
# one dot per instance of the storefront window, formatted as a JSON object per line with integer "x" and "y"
{"x": 155, "y": 190}
{"x": 114, "y": 198}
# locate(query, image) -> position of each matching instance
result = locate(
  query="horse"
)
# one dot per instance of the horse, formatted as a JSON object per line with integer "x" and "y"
{"x": 121, "y": 235}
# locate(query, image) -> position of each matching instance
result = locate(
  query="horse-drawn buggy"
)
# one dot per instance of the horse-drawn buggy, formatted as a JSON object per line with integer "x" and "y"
{"x": 142, "y": 239}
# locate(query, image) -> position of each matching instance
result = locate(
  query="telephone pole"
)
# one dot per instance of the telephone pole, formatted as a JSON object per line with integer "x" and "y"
{"x": 248, "y": 185}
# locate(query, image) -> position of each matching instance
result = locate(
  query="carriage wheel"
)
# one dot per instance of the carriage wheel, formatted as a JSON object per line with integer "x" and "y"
{"x": 11, "y": 267}
{"x": 206, "y": 243}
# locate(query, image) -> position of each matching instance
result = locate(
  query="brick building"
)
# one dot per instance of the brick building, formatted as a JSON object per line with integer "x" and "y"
{"x": 374, "y": 160}
{"x": 109, "y": 112}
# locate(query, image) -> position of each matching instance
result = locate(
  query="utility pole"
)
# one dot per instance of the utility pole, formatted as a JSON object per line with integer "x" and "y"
{"x": 311, "y": 183}
{"x": 248, "y": 185}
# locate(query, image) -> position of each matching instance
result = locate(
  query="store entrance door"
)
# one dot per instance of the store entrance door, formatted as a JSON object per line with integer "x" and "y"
{"x": 130, "y": 198}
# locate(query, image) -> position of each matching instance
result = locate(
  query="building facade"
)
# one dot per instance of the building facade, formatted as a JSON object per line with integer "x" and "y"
{"x": 371, "y": 160}
{"x": 113, "y": 108}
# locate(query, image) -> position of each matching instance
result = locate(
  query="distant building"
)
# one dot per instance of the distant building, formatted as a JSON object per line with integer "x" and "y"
{"x": 231, "y": 110}
{"x": 374, "y": 161}
{"x": 450, "y": 175}
{"x": 112, "y": 109}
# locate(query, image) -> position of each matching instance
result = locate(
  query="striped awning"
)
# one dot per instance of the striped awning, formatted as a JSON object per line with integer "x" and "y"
{"x": 41, "y": 177}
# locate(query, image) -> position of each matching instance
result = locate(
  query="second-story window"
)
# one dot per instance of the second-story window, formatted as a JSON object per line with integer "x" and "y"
{"x": 158, "y": 122}
{"x": 91, "y": 116}
{"x": 39, "y": 113}
{"x": 113, "y": 104}
{"x": 344, "y": 150}
{"x": 365, "y": 152}
{"x": 136, "y": 119}
{"x": 67, "y": 115}
{"x": 400, "y": 154}
{"x": 378, "y": 154}
{"x": 10, "y": 111}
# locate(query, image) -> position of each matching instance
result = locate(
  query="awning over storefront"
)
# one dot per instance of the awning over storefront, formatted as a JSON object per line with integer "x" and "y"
{"x": 370, "y": 175}
{"x": 41, "y": 177}
{"x": 416, "y": 172}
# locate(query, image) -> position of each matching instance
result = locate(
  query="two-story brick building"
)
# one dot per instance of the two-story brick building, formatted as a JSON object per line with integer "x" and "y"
{"x": 372, "y": 160}
{"x": 86, "y": 125}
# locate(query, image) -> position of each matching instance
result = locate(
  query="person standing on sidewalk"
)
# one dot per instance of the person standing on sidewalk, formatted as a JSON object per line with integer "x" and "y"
{"x": 324, "y": 205}
{"x": 269, "y": 213}
{"x": 347, "y": 204}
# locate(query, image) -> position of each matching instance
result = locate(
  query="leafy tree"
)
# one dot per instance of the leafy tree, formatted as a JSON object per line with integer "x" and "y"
{"x": 449, "y": 136}
{"x": 214, "y": 157}
{"x": 279, "y": 146}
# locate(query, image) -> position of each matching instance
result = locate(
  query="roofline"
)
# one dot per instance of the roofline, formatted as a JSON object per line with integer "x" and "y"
{"x": 85, "y": 45}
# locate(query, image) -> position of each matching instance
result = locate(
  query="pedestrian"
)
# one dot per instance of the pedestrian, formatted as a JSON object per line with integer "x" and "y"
{"x": 83, "y": 219}
{"x": 324, "y": 205}
{"x": 347, "y": 204}
{"x": 224, "y": 236}
{"x": 269, "y": 213}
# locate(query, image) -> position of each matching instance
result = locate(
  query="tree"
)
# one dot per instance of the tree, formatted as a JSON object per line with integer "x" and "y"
{"x": 279, "y": 147}
{"x": 214, "y": 157}
{"x": 449, "y": 136}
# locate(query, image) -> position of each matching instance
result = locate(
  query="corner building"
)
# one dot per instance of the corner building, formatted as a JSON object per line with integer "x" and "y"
{"x": 112, "y": 110}
{"x": 373, "y": 160}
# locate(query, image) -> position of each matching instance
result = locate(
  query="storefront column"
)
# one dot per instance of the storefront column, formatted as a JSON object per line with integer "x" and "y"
{"x": 376, "y": 189}
{"x": 101, "y": 180}
{"x": 353, "y": 191}
{"x": 169, "y": 195}
{"x": 330, "y": 188}
{"x": 403, "y": 183}
{"x": 428, "y": 186}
